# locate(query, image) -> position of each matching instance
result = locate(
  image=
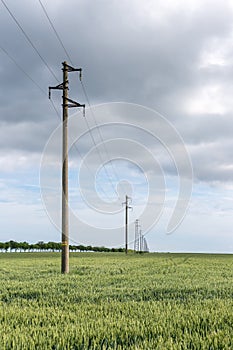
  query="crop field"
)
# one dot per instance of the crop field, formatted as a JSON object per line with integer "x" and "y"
{"x": 113, "y": 301}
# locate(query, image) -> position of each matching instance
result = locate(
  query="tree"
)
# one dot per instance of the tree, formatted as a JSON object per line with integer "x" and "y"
{"x": 7, "y": 246}
{"x": 2, "y": 246}
{"x": 13, "y": 245}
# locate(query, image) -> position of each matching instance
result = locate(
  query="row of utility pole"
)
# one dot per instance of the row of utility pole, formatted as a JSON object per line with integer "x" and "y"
{"x": 68, "y": 103}
{"x": 140, "y": 243}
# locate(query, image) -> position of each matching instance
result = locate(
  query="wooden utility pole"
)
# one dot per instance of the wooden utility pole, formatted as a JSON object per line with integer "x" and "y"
{"x": 126, "y": 224}
{"x": 67, "y": 103}
{"x": 136, "y": 237}
{"x": 141, "y": 241}
{"x": 127, "y": 207}
{"x": 65, "y": 206}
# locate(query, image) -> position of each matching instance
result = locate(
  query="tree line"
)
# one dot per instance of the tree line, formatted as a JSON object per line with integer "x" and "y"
{"x": 13, "y": 246}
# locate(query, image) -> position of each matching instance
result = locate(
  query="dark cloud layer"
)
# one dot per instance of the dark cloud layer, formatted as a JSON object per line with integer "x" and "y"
{"x": 130, "y": 51}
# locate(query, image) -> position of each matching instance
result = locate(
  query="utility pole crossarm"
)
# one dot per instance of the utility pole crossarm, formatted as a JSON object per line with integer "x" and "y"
{"x": 72, "y": 103}
{"x": 58, "y": 87}
{"x": 72, "y": 69}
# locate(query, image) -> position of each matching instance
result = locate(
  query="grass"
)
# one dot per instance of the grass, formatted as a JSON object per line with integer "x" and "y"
{"x": 113, "y": 301}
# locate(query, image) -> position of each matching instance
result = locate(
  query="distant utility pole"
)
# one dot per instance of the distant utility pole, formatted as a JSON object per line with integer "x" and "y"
{"x": 140, "y": 241}
{"x": 67, "y": 103}
{"x": 145, "y": 245}
{"x": 136, "y": 238}
{"x": 127, "y": 207}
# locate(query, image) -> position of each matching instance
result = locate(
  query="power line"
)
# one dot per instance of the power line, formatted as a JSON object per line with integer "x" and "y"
{"x": 51, "y": 71}
{"x": 28, "y": 38}
{"x": 22, "y": 70}
{"x": 54, "y": 107}
{"x": 55, "y": 32}
{"x": 34, "y": 47}
{"x": 88, "y": 101}
{"x": 28, "y": 76}
{"x": 100, "y": 156}
{"x": 100, "y": 134}
{"x": 52, "y": 103}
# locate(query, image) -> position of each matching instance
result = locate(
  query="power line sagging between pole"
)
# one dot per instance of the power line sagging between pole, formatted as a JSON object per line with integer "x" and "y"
{"x": 92, "y": 112}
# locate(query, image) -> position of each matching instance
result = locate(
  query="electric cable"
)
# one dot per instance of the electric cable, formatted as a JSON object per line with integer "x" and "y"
{"x": 100, "y": 134}
{"x": 52, "y": 103}
{"x": 28, "y": 38}
{"x": 55, "y": 31}
{"x": 88, "y": 101}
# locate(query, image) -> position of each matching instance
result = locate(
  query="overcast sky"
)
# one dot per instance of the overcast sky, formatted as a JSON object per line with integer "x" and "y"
{"x": 172, "y": 57}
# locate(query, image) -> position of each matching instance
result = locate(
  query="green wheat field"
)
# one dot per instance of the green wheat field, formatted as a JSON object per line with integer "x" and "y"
{"x": 113, "y": 301}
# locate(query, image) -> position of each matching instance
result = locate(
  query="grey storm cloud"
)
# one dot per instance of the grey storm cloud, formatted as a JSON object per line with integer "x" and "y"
{"x": 128, "y": 53}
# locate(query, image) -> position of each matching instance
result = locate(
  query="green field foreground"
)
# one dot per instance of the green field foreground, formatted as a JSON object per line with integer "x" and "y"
{"x": 113, "y": 301}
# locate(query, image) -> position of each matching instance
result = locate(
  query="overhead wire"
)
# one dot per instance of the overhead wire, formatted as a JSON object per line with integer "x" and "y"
{"x": 54, "y": 75}
{"x": 28, "y": 39}
{"x": 100, "y": 134}
{"x": 85, "y": 93}
{"x": 28, "y": 76}
{"x": 54, "y": 29}
{"x": 22, "y": 70}
{"x": 100, "y": 156}
{"x": 89, "y": 104}
{"x": 41, "y": 57}
{"x": 52, "y": 103}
